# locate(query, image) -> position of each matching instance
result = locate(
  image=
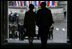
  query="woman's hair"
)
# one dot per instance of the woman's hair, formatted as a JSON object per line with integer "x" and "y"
{"x": 31, "y": 6}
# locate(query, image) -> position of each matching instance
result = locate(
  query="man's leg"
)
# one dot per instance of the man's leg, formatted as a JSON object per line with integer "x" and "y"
{"x": 44, "y": 41}
{"x": 44, "y": 35}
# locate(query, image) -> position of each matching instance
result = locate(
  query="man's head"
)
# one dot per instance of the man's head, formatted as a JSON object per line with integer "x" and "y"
{"x": 43, "y": 5}
{"x": 31, "y": 6}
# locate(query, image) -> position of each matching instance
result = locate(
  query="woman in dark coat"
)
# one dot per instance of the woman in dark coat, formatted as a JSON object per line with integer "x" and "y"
{"x": 29, "y": 23}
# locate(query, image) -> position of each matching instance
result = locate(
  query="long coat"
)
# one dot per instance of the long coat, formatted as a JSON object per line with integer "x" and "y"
{"x": 29, "y": 22}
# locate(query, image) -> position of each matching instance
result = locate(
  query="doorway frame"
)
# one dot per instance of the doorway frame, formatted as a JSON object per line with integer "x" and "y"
{"x": 4, "y": 22}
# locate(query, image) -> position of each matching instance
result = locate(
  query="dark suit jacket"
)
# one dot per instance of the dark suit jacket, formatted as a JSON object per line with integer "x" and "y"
{"x": 44, "y": 18}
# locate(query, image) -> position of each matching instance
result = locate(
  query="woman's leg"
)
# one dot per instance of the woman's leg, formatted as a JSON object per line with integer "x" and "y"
{"x": 30, "y": 39}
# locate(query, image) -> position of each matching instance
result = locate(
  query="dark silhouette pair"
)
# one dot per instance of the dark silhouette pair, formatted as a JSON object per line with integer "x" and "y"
{"x": 43, "y": 19}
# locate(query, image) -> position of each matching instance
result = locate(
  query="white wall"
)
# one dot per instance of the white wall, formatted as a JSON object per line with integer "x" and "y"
{"x": 56, "y": 12}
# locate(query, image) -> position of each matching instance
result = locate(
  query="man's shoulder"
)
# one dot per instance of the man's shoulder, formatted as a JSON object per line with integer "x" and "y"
{"x": 39, "y": 10}
{"x": 45, "y": 9}
{"x": 27, "y": 12}
{"x": 48, "y": 9}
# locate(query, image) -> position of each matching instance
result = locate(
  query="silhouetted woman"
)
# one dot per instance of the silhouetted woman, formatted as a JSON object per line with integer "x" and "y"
{"x": 29, "y": 23}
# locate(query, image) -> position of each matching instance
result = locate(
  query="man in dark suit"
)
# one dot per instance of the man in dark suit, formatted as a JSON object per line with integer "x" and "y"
{"x": 44, "y": 21}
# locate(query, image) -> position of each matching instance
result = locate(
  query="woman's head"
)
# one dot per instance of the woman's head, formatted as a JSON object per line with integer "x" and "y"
{"x": 31, "y": 6}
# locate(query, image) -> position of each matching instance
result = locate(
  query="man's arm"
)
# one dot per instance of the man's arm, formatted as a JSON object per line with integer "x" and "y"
{"x": 52, "y": 18}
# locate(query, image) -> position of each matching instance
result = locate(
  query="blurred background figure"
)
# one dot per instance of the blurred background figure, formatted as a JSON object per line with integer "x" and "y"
{"x": 12, "y": 31}
{"x": 64, "y": 13}
{"x": 16, "y": 17}
{"x": 11, "y": 18}
{"x": 21, "y": 30}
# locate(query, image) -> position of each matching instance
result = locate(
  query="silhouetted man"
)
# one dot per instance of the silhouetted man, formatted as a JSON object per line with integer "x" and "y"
{"x": 44, "y": 21}
{"x": 29, "y": 23}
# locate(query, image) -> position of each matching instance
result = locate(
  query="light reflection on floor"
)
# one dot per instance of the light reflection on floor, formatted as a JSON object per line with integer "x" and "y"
{"x": 34, "y": 41}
